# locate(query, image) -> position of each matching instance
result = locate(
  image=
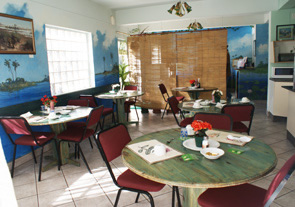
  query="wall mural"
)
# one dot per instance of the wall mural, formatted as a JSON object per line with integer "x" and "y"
{"x": 24, "y": 79}
{"x": 252, "y": 81}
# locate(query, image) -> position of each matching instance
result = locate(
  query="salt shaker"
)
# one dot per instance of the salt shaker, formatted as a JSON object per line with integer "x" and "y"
{"x": 51, "y": 106}
{"x": 205, "y": 143}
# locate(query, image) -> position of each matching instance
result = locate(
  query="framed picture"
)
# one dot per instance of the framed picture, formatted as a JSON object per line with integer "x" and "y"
{"x": 16, "y": 35}
{"x": 285, "y": 32}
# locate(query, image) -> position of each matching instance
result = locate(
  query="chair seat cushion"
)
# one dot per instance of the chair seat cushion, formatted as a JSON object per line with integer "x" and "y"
{"x": 239, "y": 127}
{"x": 76, "y": 124}
{"x": 41, "y": 137}
{"x": 107, "y": 111}
{"x": 129, "y": 179}
{"x": 179, "y": 98}
{"x": 186, "y": 121}
{"x": 245, "y": 195}
{"x": 75, "y": 134}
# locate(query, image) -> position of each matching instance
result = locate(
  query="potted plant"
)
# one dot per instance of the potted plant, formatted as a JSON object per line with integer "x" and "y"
{"x": 123, "y": 74}
{"x": 217, "y": 95}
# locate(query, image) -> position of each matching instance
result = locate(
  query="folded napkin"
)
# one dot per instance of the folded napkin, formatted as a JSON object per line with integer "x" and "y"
{"x": 220, "y": 105}
{"x": 26, "y": 115}
{"x": 240, "y": 139}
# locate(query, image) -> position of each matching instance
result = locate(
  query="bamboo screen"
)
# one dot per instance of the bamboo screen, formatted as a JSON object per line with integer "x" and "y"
{"x": 175, "y": 58}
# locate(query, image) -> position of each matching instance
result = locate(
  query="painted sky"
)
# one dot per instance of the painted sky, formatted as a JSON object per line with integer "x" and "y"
{"x": 240, "y": 41}
{"x": 261, "y": 43}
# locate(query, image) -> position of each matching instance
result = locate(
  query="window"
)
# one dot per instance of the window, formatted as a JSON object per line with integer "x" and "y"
{"x": 70, "y": 60}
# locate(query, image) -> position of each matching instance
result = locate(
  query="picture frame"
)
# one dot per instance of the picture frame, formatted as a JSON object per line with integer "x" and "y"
{"x": 16, "y": 35}
{"x": 285, "y": 32}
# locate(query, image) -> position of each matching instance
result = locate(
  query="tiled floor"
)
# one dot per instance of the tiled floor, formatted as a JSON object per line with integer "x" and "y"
{"x": 74, "y": 186}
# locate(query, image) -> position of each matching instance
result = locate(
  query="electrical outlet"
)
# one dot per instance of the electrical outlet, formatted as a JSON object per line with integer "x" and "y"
{"x": 31, "y": 56}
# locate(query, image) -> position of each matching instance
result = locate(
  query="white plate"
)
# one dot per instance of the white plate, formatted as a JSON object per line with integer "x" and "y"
{"x": 190, "y": 144}
{"x": 197, "y": 107}
{"x": 112, "y": 91}
{"x": 244, "y": 101}
{"x": 64, "y": 112}
{"x": 223, "y": 101}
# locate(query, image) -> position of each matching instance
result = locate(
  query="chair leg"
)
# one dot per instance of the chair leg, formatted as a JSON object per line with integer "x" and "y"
{"x": 13, "y": 161}
{"x": 164, "y": 110}
{"x": 57, "y": 145}
{"x": 173, "y": 196}
{"x": 32, "y": 148}
{"x": 118, "y": 197}
{"x": 103, "y": 123}
{"x": 137, "y": 197}
{"x": 113, "y": 118}
{"x": 84, "y": 159}
{"x": 136, "y": 113}
{"x": 178, "y": 197}
{"x": 90, "y": 143}
{"x": 151, "y": 199}
{"x": 40, "y": 167}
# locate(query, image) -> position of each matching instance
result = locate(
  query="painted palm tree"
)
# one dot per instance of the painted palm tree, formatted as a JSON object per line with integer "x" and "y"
{"x": 15, "y": 64}
{"x": 7, "y": 63}
{"x": 104, "y": 64}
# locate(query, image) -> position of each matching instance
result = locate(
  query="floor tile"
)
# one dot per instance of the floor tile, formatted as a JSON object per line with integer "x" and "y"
{"x": 55, "y": 198}
{"x": 27, "y": 190}
{"x": 31, "y": 201}
{"x": 52, "y": 184}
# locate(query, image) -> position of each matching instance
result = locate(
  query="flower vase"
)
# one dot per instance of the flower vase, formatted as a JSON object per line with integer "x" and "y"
{"x": 217, "y": 99}
{"x": 192, "y": 85}
{"x": 199, "y": 137}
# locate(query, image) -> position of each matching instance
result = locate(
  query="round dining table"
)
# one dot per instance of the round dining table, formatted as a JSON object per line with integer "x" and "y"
{"x": 57, "y": 125}
{"x": 119, "y": 99}
{"x": 195, "y": 176}
{"x": 194, "y": 92}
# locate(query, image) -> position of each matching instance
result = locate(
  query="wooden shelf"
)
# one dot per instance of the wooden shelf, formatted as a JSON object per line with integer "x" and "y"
{"x": 280, "y": 47}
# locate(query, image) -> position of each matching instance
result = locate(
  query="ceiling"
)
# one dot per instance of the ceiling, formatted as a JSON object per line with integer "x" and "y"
{"x": 122, "y": 4}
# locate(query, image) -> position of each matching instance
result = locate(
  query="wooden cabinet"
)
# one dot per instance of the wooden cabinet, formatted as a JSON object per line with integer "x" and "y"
{"x": 283, "y": 51}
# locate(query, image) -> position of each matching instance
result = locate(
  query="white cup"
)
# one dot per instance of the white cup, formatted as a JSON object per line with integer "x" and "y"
{"x": 159, "y": 150}
{"x": 190, "y": 130}
{"x": 197, "y": 105}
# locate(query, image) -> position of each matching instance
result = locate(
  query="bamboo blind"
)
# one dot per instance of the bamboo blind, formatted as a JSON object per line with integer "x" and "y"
{"x": 175, "y": 58}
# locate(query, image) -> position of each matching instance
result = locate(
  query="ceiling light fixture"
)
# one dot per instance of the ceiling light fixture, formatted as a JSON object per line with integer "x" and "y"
{"x": 180, "y": 8}
{"x": 195, "y": 25}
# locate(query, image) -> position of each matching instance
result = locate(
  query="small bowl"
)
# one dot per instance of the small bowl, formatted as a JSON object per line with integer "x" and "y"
{"x": 64, "y": 112}
{"x": 212, "y": 153}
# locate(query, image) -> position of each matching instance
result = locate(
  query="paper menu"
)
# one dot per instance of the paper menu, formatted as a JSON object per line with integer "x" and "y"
{"x": 221, "y": 136}
{"x": 145, "y": 151}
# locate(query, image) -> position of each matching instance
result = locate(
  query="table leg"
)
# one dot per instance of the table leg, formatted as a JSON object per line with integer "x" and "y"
{"x": 194, "y": 95}
{"x": 121, "y": 112}
{"x": 191, "y": 195}
{"x": 64, "y": 150}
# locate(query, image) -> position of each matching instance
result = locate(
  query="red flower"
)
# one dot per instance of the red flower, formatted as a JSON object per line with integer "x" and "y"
{"x": 199, "y": 125}
{"x": 192, "y": 81}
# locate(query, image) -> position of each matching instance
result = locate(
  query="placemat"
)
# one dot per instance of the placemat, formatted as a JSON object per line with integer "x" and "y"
{"x": 221, "y": 136}
{"x": 145, "y": 151}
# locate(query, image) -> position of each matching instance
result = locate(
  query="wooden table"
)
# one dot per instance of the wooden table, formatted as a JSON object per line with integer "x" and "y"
{"x": 120, "y": 100}
{"x": 195, "y": 176}
{"x": 193, "y": 92}
{"x": 57, "y": 126}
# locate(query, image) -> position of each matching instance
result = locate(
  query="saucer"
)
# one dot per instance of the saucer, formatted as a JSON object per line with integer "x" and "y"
{"x": 244, "y": 101}
{"x": 190, "y": 144}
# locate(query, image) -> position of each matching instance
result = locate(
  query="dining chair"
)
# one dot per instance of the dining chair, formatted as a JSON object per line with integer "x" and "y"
{"x": 77, "y": 134}
{"x": 19, "y": 126}
{"x": 130, "y": 102}
{"x": 173, "y": 102}
{"x": 111, "y": 143}
{"x": 106, "y": 111}
{"x": 246, "y": 195}
{"x": 240, "y": 113}
{"x": 165, "y": 96}
{"x": 218, "y": 121}
{"x": 78, "y": 102}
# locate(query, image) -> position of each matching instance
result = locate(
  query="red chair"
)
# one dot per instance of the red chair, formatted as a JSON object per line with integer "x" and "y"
{"x": 173, "y": 102}
{"x": 165, "y": 95}
{"x": 20, "y": 126}
{"x": 130, "y": 102}
{"x": 78, "y": 134}
{"x": 247, "y": 195}
{"x": 240, "y": 113}
{"x": 78, "y": 102}
{"x": 127, "y": 180}
{"x": 106, "y": 111}
{"x": 218, "y": 121}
